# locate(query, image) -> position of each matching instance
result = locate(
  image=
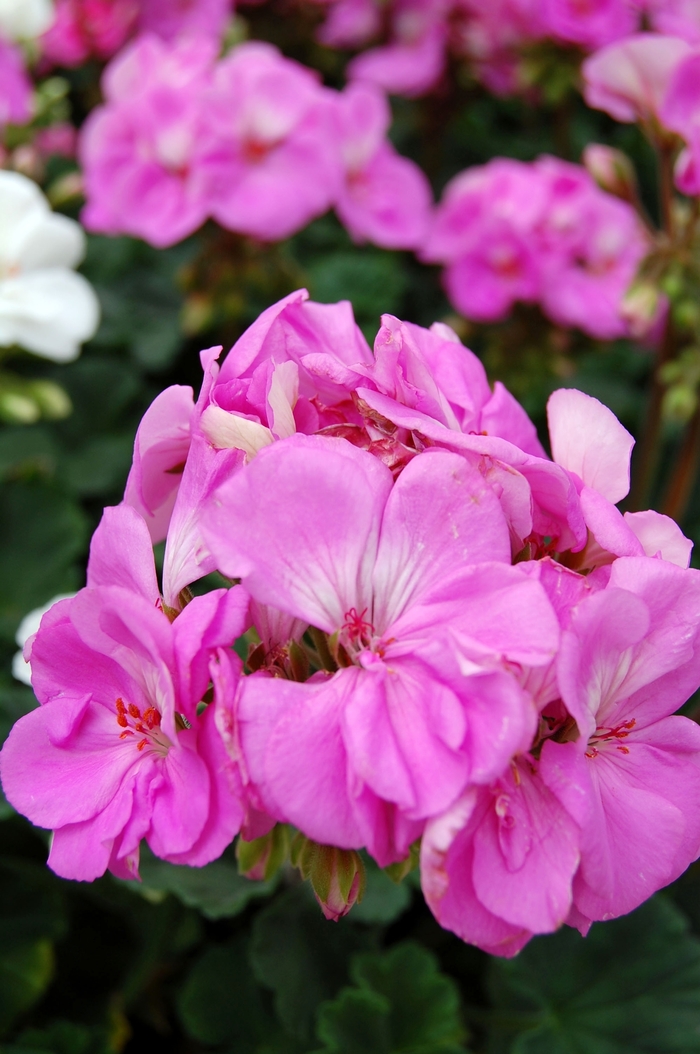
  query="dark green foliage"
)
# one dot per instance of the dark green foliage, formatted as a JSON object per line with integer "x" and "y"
{"x": 301, "y": 957}
{"x": 402, "y": 1005}
{"x": 631, "y": 987}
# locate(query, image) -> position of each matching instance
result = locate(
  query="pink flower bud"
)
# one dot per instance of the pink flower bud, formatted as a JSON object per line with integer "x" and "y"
{"x": 611, "y": 169}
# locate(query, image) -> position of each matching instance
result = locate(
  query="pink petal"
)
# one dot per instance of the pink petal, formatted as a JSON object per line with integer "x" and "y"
{"x": 300, "y": 527}
{"x": 440, "y": 515}
{"x": 121, "y": 554}
{"x": 588, "y": 439}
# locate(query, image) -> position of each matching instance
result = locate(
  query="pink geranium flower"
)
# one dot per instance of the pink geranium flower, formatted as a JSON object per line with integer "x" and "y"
{"x": 385, "y": 198}
{"x": 140, "y": 151}
{"x": 83, "y": 28}
{"x": 271, "y": 148}
{"x": 314, "y": 527}
{"x": 117, "y": 751}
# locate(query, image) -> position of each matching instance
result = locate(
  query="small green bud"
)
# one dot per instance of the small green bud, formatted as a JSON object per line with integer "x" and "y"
{"x": 338, "y": 877}
{"x": 262, "y": 857}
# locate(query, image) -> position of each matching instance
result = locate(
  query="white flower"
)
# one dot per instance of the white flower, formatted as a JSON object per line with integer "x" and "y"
{"x": 25, "y": 19}
{"x": 26, "y": 629}
{"x": 45, "y": 307}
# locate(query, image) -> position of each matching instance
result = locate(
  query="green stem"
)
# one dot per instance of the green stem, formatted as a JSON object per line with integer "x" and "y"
{"x": 647, "y": 453}
{"x": 685, "y": 471}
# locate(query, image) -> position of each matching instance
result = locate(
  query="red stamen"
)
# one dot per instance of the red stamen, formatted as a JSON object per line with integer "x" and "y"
{"x": 357, "y": 626}
{"x": 134, "y": 710}
{"x": 121, "y": 709}
{"x": 122, "y": 721}
{"x": 152, "y": 717}
{"x": 142, "y": 744}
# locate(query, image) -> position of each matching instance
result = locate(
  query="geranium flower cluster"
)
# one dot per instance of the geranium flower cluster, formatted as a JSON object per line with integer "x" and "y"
{"x": 253, "y": 140}
{"x": 448, "y": 637}
{"x": 542, "y": 232}
{"x": 99, "y": 28}
{"x": 420, "y": 34}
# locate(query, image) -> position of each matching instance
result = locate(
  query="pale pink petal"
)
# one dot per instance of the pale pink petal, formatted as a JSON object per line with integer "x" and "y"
{"x": 121, "y": 554}
{"x": 660, "y": 536}
{"x": 160, "y": 451}
{"x": 588, "y": 439}
{"x": 300, "y": 527}
{"x": 441, "y": 515}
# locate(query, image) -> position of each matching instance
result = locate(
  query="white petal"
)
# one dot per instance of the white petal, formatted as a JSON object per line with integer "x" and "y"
{"x": 25, "y": 19}
{"x": 50, "y": 312}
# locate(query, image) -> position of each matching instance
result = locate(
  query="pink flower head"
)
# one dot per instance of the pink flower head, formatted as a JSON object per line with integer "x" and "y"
{"x": 363, "y": 756}
{"x": 139, "y": 151}
{"x": 16, "y": 102}
{"x": 271, "y": 146}
{"x": 350, "y": 23}
{"x": 594, "y": 245}
{"x": 385, "y": 197}
{"x": 629, "y": 79}
{"x": 408, "y": 67}
{"x": 204, "y": 18}
{"x": 591, "y": 24}
{"x": 117, "y": 751}
{"x": 482, "y": 231}
{"x": 83, "y": 28}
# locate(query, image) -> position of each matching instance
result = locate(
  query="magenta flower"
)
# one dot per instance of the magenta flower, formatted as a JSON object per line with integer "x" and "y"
{"x": 270, "y": 149}
{"x": 139, "y": 151}
{"x": 186, "y": 18}
{"x": 541, "y": 232}
{"x": 314, "y": 527}
{"x": 117, "y": 751}
{"x": 385, "y": 198}
{"x": 83, "y": 28}
{"x": 16, "y": 102}
{"x": 591, "y": 24}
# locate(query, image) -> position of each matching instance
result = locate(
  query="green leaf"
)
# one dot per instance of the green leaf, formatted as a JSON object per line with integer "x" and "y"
{"x": 27, "y": 451}
{"x": 42, "y": 532}
{"x": 220, "y": 1001}
{"x": 631, "y": 987}
{"x": 402, "y": 1005}
{"x": 100, "y": 464}
{"x": 31, "y": 904}
{"x": 356, "y": 1022}
{"x": 374, "y": 282}
{"x": 217, "y": 890}
{"x": 25, "y": 973}
{"x": 301, "y": 956}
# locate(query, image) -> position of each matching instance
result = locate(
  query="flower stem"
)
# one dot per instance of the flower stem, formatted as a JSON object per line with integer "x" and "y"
{"x": 681, "y": 483}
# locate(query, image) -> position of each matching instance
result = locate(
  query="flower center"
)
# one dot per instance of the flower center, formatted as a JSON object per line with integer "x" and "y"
{"x": 146, "y": 726}
{"x": 608, "y": 735}
{"x": 358, "y": 631}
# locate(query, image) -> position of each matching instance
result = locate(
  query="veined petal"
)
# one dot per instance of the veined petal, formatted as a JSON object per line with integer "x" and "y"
{"x": 300, "y": 527}
{"x": 440, "y": 516}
